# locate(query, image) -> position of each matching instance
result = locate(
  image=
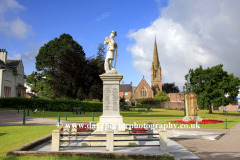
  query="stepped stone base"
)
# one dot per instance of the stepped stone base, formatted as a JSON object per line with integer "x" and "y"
{"x": 116, "y": 137}
{"x": 195, "y": 118}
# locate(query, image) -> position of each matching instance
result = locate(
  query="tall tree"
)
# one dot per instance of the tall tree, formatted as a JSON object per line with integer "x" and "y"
{"x": 161, "y": 96}
{"x": 170, "y": 88}
{"x": 212, "y": 84}
{"x": 50, "y": 55}
{"x": 101, "y": 54}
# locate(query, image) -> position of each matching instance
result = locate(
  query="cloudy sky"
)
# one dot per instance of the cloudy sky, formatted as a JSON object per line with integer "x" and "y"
{"x": 189, "y": 33}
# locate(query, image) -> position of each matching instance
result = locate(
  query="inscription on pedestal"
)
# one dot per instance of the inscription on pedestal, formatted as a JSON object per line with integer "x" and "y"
{"x": 106, "y": 93}
{"x": 111, "y": 98}
{"x": 115, "y": 99}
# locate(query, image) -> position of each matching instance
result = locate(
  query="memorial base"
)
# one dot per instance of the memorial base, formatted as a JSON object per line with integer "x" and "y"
{"x": 194, "y": 118}
{"x": 116, "y": 137}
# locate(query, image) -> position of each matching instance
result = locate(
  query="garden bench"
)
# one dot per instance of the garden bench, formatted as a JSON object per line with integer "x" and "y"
{"x": 78, "y": 110}
{"x": 142, "y": 110}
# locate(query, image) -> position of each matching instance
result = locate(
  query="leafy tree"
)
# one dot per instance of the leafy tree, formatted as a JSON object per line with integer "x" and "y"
{"x": 211, "y": 84}
{"x": 50, "y": 55}
{"x": 161, "y": 97}
{"x": 170, "y": 88}
{"x": 41, "y": 84}
{"x": 77, "y": 77}
{"x": 101, "y": 54}
{"x": 146, "y": 101}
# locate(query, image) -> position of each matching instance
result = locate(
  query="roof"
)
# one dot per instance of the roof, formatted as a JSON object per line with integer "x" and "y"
{"x": 125, "y": 88}
{"x": 13, "y": 63}
{"x": 2, "y": 64}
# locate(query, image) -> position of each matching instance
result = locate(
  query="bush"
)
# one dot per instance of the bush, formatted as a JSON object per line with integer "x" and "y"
{"x": 146, "y": 101}
{"x": 161, "y": 97}
{"x": 54, "y": 105}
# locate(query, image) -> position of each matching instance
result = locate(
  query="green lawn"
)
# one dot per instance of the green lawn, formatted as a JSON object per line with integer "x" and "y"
{"x": 156, "y": 116}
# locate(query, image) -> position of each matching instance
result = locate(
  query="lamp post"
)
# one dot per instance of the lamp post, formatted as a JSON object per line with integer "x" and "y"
{"x": 184, "y": 101}
{"x": 35, "y": 89}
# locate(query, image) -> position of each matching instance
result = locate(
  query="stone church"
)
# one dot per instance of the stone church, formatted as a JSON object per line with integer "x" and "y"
{"x": 144, "y": 90}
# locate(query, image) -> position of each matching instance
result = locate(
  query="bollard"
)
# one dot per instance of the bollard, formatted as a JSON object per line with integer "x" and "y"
{"x": 92, "y": 116}
{"x": 150, "y": 129}
{"x": 230, "y": 114}
{"x": 23, "y": 118}
{"x": 24, "y": 109}
{"x": 28, "y": 112}
{"x": 110, "y": 140}
{"x": 43, "y": 114}
{"x": 18, "y": 109}
{"x": 225, "y": 123}
{"x": 163, "y": 140}
{"x": 66, "y": 116}
{"x": 59, "y": 118}
{"x": 66, "y": 132}
{"x": 55, "y": 140}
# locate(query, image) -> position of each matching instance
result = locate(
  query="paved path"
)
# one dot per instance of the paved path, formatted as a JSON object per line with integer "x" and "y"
{"x": 12, "y": 118}
{"x": 199, "y": 141}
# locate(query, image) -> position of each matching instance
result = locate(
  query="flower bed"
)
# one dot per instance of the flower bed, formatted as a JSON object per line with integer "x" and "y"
{"x": 204, "y": 121}
{"x": 139, "y": 130}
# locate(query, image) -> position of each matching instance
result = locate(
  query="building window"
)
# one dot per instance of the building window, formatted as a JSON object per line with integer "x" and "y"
{"x": 143, "y": 92}
{"x": 125, "y": 93}
{"x": 19, "y": 93}
{"x": 155, "y": 74}
{"x": 7, "y": 91}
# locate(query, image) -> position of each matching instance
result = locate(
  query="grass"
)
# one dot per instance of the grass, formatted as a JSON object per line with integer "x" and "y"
{"x": 156, "y": 116}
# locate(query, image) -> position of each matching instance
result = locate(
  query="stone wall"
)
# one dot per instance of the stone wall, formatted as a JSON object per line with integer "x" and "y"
{"x": 172, "y": 105}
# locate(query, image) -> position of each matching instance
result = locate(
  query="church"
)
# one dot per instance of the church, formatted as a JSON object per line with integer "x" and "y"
{"x": 144, "y": 90}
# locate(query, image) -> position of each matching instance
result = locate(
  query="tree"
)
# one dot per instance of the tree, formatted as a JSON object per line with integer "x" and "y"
{"x": 101, "y": 54}
{"x": 161, "y": 97}
{"x": 211, "y": 85}
{"x": 77, "y": 77}
{"x": 170, "y": 88}
{"x": 41, "y": 84}
{"x": 50, "y": 55}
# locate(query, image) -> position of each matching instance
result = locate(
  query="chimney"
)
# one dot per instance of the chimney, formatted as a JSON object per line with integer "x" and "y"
{"x": 122, "y": 82}
{"x": 131, "y": 83}
{"x": 3, "y": 55}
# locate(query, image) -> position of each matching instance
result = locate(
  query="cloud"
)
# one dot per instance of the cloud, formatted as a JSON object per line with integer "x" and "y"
{"x": 103, "y": 16}
{"x": 13, "y": 26}
{"x": 189, "y": 34}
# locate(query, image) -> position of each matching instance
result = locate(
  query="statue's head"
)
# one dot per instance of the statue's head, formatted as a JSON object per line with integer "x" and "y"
{"x": 114, "y": 33}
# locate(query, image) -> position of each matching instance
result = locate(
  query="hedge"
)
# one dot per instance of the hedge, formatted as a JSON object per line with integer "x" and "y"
{"x": 53, "y": 105}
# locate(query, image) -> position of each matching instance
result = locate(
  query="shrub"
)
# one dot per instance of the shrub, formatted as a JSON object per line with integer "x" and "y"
{"x": 146, "y": 101}
{"x": 54, "y": 105}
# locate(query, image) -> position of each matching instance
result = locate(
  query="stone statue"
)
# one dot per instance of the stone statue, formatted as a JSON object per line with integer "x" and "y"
{"x": 112, "y": 47}
{"x": 189, "y": 83}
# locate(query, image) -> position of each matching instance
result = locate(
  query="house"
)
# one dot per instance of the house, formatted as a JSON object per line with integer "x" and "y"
{"x": 11, "y": 76}
{"x": 126, "y": 90}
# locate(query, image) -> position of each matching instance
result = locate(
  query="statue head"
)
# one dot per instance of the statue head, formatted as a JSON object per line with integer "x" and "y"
{"x": 114, "y": 33}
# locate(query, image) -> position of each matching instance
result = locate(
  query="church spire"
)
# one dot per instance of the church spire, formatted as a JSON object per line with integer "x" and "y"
{"x": 155, "y": 56}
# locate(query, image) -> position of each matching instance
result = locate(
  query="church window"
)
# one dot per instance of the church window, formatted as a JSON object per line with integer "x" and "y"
{"x": 155, "y": 74}
{"x": 143, "y": 92}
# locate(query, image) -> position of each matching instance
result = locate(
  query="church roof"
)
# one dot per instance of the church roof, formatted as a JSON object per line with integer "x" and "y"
{"x": 125, "y": 88}
{"x": 13, "y": 63}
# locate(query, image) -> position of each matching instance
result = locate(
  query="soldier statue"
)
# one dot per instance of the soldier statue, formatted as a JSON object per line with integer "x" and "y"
{"x": 189, "y": 83}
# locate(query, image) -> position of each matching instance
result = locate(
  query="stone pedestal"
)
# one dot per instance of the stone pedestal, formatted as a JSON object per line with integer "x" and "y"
{"x": 191, "y": 108}
{"x": 111, "y": 118}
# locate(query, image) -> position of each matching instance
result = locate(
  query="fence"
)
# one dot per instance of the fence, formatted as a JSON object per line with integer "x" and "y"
{"x": 71, "y": 135}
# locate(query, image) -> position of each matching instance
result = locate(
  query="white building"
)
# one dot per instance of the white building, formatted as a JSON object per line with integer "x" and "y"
{"x": 11, "y": 76}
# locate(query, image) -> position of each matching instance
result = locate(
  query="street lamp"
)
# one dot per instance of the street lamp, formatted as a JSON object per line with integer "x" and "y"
{"x": 35, "y": 74}
{"x": 184, "y": 100}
